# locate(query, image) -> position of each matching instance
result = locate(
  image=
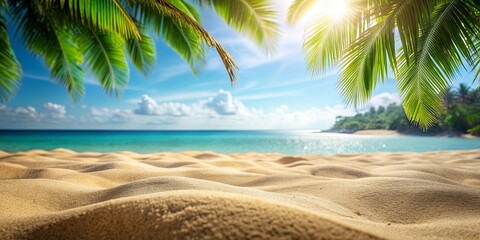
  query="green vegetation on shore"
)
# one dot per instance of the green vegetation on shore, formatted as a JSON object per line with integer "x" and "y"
{"x": 461, "y": 115}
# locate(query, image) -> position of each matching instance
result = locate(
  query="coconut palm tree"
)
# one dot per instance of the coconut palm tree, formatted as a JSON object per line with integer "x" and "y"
{"x": 474, "y": 96}
{"x": 449, "y": 98}
{"x": 463, "y": 92}
{"x": 424, "y": 43}
{"x": 75, "y": 36}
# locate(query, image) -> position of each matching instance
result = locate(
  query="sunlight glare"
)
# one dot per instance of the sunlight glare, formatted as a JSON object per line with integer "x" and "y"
{"x": 337, "y": 9}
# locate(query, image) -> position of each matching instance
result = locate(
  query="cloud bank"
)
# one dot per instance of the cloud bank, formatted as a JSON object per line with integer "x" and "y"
{"x": 219, "y": 111}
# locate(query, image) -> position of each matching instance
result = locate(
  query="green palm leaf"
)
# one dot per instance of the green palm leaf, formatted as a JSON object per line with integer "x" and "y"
{"x": 10, "y": 69}
{"x": 105, "y": 15}
{"x": 149, "y": 15}
{"x": 442, "y": 47}
{"x": 365, "y": 64}
{"x": 64, "y": 60}
{"x": 105, "y": 58}
{"x": 325, "y": 40}
{"x": 44, "y": 35}
{"x": 369, "y": 58}
{"x": 325, "y": 44}
{"x": 476, "y": 60}
{"x": 180, "y": 18}
{"x": 182, "y": 38}
{"x": 254, "y": 18}
{"x": 54, "y": 30}
{"x": 298, "y": 9}
{"x": 142, "y": 52}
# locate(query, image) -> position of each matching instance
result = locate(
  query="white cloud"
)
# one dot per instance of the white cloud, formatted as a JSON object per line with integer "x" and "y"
{"x": 313, "y": 118}
{"x": 224, "y": 104}
{"x": 26, "y": 113}
{"x": 223, "y": 111}
{"x": 54, "y": 111}
{"x": 22, "y": 115}
{"x": 382, "y": 99}
{"x": 148, "y": 106}
{"x": 220, "y": 111}
{"x": 18, "y": 114}
{"x": 282, "y": 109}
{"x": 174, "y": 109}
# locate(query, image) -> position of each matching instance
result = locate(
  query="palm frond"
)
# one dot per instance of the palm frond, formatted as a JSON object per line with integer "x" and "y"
{"x": 185, "y": 21}
{"x": 142, "y": 52}
{"x": 442, "y": 48}
{"x": 181, "y": 37}
{"x": 476, "y": 60}
{"x": 10, "y": 69}
{"x": 298, "y": 9}
{"x": 52, "y": 42}
{"x": 151, "y": 17}
{"x": 413, "y": 15}
{"x": 326, "y": 41}
{"x": 105, "y": 58}
{"x": 368, "y": 59}
{"x": 365, "y": 63}
{"x": 184, "y": 40}
{"x": 257, "y": 19}
{"x": 104, "y": 15}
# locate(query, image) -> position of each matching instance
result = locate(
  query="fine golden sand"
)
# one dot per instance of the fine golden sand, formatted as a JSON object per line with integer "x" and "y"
{"x": 62, "y": 194}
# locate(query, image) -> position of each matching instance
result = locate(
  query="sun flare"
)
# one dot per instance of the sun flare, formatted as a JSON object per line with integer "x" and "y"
{"x": 335, "y": 10}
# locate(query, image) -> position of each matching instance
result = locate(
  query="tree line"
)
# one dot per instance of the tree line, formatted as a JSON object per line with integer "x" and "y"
{"x": 461, "y": 115}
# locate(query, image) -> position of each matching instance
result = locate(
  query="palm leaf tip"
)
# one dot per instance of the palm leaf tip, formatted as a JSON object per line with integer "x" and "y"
{"x": 106, "y": 16}
{"x": 298, "y": 9}
{"x": 64, "y": 59}
{"x": 189, "y": 43}
{"x": 10, "y": 69}
{"x": 142, "y": 52}
{"x": 257, "y": 19}
{"x": 106, "y": 59}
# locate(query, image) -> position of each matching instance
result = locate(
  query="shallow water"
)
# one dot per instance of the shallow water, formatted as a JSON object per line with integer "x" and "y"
{"x": 287, "y": 142}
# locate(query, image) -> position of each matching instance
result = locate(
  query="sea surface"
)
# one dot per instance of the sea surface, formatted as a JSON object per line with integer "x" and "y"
{"x": 286, "y": 142}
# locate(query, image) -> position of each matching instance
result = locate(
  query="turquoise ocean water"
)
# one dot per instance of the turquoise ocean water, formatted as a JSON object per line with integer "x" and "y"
{"x": 287, "y": 142}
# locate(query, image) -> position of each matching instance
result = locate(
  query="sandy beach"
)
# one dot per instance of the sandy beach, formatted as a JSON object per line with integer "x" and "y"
{"x": 196, "y": 195}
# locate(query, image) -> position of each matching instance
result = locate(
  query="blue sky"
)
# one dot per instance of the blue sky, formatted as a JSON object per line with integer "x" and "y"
{"x": 275, "y": 91}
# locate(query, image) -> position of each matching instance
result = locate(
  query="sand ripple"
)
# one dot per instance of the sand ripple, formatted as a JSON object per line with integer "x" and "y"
{"x": 62, "y": 194}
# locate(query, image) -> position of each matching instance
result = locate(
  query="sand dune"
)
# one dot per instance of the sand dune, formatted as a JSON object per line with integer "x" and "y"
{"x": 62, "y": 194}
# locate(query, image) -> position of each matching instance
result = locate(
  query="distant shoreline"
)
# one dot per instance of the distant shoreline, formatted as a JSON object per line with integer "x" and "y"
{"x": 383, "y": 132}
{"x": 378, "y": 132}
